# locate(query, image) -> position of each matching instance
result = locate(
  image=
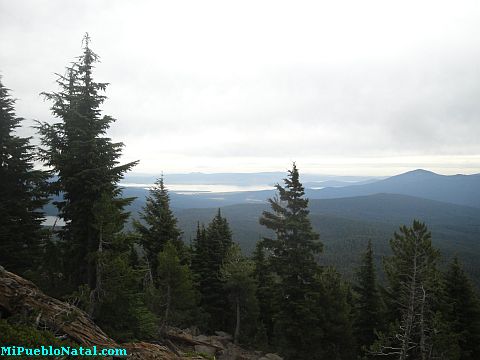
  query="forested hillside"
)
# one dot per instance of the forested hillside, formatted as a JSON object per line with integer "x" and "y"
{"x": 455, "y": 189}
{"x": 347, "y": 224}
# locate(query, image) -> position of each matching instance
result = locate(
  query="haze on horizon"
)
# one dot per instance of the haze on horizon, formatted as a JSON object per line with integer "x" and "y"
{"x": 343, "y": 88}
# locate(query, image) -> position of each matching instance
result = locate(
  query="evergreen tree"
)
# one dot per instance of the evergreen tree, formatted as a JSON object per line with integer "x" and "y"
{"x": 22, "y": 194}
{"x": 122, "y": 309}
{"x": 464, "y": 310}
{"x": 117, "y": 302}
{"x": 237, "y": 275}
{"x": 368, "y": 306}
{"x": 176, "y": 297}
{"x": 210, "y": 249}
{"x": 85, "y": 162}
{"x": 159, "y": 226}
{"x": 199, "y": 250}
{"x": 293, "y": 262}
{"x": 266, "y": 288}
{"x": 333, "y": 330}
{"x": 412, "y": 296}
{"x": 219, "y": 236}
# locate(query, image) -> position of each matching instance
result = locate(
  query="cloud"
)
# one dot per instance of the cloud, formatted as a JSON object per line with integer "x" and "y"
{"x": 214, "y": 85}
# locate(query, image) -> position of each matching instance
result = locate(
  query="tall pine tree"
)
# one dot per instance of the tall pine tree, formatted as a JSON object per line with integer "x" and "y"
{"x": 292, "y": 257}
{"x": 22, "y": 194}
{"x": 158, "y": 226}
{"x": 368, "y": 304}
{"x": 265, "y": 294}
{"x": 85, "y": 162}
{"x": 413, "y": 284}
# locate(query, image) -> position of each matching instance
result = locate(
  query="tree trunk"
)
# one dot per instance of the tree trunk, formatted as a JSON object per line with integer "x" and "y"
{"x": 169, "y": 301}
{"x": 423, "y": 348}
{"x": 96, "y": 293}
{"x": 409, "y": 316}
{"x": 91, "y": 264}
{"x": 236, "y": 335}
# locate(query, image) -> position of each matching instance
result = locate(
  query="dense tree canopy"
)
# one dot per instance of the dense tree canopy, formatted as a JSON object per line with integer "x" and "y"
{"x": 368, "y": 303}
{"x": 209, "y": 253}
{"x": 464, "y": 310}
{"x": 22, "y": 194}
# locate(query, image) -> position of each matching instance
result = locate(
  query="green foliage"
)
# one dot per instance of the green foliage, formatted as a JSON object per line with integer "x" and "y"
{"x": 237, "y": 273}
{"x": 22, "y": 194}
{"x": 209, "y": 251}
{"x": 292, "y": 261}
{"x": 50, "y": 276}
{"x": 334, "y": 316}
{"x": 175, "y": 298}
{"x": 159, "y": 226}
{"x": 195, "y": 355}
{"x": 265, "y": 294}
{"x": 368, "y": 305}
{"x": 121, "y": 310}
{"x": 239, "y": 283}
{"x": 412, "y": 296}
{"x": 463, "y": 311}
{"x": 117, "y": 303}
{"x": 85, "y": 162}
{"x": 28, "y": 336}
{"x": 289, "y": 220}
{"x": 310, "y": 310}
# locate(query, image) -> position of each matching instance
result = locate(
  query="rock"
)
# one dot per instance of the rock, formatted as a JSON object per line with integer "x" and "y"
{"x": 273, "y": 357}
{"x": 148, "y": 351}
{"x": 193, "y": 330}
{"x": 224, "y": 335}
{"x": 202, "y": 338}
{"x": 204, "y": 349}
{"x": 217, "y": 342}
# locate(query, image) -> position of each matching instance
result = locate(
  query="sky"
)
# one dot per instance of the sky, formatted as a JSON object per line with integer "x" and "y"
{"x": 340, "y": 87}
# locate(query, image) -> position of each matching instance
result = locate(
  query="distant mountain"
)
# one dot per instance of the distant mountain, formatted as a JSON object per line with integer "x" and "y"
{"x": 455, "y": 189}
{"x": 336, "y": 183}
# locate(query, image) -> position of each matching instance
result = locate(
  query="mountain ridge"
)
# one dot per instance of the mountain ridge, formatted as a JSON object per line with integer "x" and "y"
{"x": 456, "y": 189}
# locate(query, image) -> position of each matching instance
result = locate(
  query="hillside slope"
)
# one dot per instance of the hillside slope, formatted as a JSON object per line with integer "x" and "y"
{"x": 455, "y": 189}
{"x": 345, "y": 225}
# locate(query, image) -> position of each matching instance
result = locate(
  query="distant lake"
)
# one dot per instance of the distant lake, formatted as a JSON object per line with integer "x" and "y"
{"x": 203, "y": 188}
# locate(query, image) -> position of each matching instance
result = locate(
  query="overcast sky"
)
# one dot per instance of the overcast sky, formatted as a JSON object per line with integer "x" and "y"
{"x": 342, "y": 87}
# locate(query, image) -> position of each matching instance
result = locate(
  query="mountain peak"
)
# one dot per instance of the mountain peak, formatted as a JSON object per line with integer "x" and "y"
{"x": 419, "y": 172}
